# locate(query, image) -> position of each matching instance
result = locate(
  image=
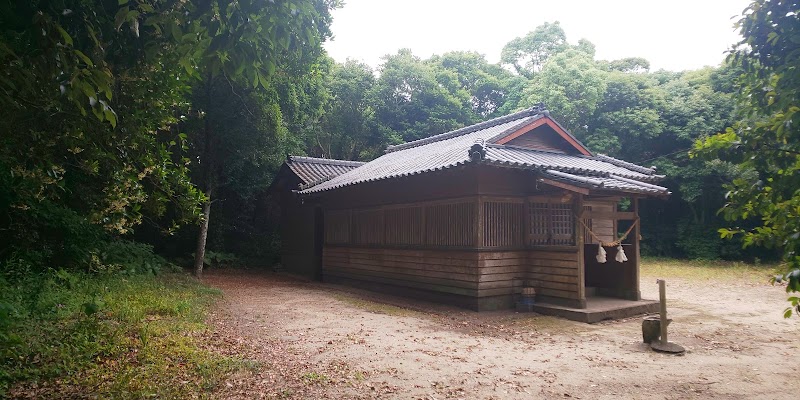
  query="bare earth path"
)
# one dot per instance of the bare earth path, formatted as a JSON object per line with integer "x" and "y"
{"x": 314, "y": 340}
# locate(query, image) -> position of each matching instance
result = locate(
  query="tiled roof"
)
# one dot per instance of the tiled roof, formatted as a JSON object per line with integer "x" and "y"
{"x": 612, "y": 182}
{"x": 475, "y": 144}
{"x": 313, "y": 170}
{"x": 578, "y": 164}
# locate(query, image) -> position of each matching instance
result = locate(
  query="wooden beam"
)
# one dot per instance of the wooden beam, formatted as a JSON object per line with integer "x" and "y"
{"x": 565, "y": 186}
{"x": 521, "y": 131}
{"x": 617, "y": 215}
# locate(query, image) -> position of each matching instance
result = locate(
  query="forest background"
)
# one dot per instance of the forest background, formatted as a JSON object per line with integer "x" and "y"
{"x": 126, "y": 122}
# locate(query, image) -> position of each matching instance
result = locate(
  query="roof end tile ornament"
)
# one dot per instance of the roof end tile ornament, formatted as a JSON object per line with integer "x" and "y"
{"x": 478, "y": 150}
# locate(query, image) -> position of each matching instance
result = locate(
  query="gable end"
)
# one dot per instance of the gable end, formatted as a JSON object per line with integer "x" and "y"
{"x": 543, "y": 134}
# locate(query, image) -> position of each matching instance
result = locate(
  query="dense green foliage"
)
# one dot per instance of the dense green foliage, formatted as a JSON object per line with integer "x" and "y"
{"x": 766, "y": 139}
{"x": 150, "y": 113}
{"x": 104, "y": 104}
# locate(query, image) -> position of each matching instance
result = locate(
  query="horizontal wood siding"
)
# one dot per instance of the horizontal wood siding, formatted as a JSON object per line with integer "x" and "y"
{"x": 485, "y": 274}
{"x": 449, "y": 272}
{"x": 540, "y": 139}
{"x": 554, "y": 273}
{"x": 501, "y": 272}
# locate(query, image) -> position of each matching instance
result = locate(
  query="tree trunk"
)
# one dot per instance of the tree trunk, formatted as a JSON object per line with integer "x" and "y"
{"x": 209, "y": 182}
{"x": 200, "y": 251}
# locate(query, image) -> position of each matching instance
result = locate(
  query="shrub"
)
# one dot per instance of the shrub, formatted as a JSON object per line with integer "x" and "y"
{"x": 132, "y": 257}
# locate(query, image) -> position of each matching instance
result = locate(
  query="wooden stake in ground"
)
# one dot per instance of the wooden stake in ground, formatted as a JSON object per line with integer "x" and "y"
{"x": 664, "y": 345}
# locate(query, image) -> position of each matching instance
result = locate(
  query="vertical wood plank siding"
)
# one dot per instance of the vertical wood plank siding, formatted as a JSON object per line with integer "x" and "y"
{"x": 450, "y": 224}
{"x": 368, "y": 226}
{"x": 503, "y": 224}
{"x": 337, "y": 227}
{"x": 405, "y": 226}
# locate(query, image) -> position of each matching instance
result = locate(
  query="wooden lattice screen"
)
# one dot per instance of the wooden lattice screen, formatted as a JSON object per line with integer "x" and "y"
{"x": 551, "y": 223}
{"x": 450, "y": 224}
{"x": 337, "y": 227}
{"x": 503, "y": 224}
{"x": 405, "y": 226}
{"x": 539, "y": 223}
{"x": 562, "y": 224}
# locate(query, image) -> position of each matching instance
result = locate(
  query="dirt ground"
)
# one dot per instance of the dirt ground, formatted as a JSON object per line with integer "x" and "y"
{"x": 314, "y": 340}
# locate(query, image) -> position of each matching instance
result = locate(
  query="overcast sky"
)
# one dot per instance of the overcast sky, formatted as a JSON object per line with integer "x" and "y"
{"x": 674, "y": 35}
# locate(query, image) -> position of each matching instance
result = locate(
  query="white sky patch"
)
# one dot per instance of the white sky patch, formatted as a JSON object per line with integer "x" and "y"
{"x": 674, "y": 35}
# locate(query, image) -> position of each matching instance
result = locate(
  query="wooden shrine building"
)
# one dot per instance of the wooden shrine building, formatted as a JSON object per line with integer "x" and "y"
{"x": 301, "y": 224}
{"x": 472, "y": 216}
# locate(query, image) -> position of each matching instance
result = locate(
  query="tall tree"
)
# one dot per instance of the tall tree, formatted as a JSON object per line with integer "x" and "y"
{"x": 767, "y": 140}
{"x": 247, "y": 42}
{"x": 528, "y": 54}
{"x": 348, "y": 129}
{"x": 415, "y": 99}
{"x": 486, "y": 83}
{"x": 86, "y": 138}
{"x": 571, "y": 85}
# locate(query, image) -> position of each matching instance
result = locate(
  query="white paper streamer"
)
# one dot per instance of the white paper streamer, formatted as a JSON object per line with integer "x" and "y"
{"x": 601, "y": 254}
{"x": 621, "y": 257}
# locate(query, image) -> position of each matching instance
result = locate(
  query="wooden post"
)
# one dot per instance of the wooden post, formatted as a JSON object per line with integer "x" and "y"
{"x": 637, "y": 232}
{"x": 579, "y": 234}
{"x": 662, "y": 295}
{"x": 479, "y": 224}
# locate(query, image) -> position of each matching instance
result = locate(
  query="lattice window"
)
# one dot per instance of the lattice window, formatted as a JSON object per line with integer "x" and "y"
{"x": 539, "y": 224}
{"x": 562, "y": 223}
{"x": 551, "y": 223}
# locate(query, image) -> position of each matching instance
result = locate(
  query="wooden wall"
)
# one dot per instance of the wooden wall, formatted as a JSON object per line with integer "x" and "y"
{"x": 556, "y": 274}
{"x": 300, "y": 254}
{"x": 469, "y": 236}
{"x": 471, "y": 251}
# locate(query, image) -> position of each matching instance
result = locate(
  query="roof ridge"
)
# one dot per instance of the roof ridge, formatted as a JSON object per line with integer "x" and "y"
{"x": 624, "y": 164}
{"x": 327, "y": 161}
{"x": 528, "y": 112}
{"x": 511, "y": 146}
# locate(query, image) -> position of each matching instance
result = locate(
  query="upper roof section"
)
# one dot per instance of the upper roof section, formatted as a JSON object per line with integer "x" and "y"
{"x": 529, "y": 119}
{"x": 529, "y": 139}
{"x": 312, "y": 170}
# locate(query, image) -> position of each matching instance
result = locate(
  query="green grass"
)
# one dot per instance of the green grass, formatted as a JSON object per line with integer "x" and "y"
{"x": 108, "y": 337}
{"x": 702, "y": 270}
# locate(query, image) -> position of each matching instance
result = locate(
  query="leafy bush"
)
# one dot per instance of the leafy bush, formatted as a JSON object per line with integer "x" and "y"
{"x": 219, "y": 259}
{"x": 132, "y": 257}
{"x": 698, "y": 242}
